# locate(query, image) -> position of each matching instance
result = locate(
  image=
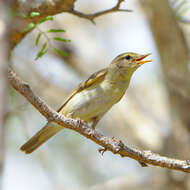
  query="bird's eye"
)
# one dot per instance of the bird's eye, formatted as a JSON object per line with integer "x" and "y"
{"x": 128, "y": 57}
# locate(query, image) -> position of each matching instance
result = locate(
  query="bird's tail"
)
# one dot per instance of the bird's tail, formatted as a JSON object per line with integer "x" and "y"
{"x": 41, "y": 137}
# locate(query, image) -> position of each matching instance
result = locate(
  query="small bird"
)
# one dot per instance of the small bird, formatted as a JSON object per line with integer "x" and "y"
{"x": 93, "y": 97}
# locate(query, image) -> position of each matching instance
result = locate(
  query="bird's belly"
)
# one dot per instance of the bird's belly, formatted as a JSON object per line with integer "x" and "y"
{"x": 88, "y": 104}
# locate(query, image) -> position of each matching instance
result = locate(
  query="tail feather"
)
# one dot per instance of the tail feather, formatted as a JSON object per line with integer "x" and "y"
{"x": 41, "y": 137}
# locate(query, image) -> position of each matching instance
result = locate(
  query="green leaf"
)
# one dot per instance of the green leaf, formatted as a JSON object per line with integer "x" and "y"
{"x": 60, "y": 52}
{"x": 61, "y": 39}
{"x": 40, "y": 54}
{"x": 42, "y": 51}
{"x": 45, "y": 19}
{"x": 44, "y": 46}
{"x": 56, "y": 30}
{"x": 30, "y": 26}
{"x": 34, "y": 14}
{"x": 38, "y": 38}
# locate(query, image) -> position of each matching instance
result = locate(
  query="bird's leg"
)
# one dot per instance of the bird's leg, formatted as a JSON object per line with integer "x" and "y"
{"x": 94, "y": 122}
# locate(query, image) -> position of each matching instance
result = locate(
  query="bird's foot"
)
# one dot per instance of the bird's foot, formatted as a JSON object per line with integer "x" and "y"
{"x": 79, "y": 122}
{"x": 116, "y": 140}
{"x": 91, "y": 132}
{"x": 102, "y": 150}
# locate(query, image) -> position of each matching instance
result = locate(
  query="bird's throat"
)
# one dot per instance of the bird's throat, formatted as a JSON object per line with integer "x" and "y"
{"x": 120, "y": 75}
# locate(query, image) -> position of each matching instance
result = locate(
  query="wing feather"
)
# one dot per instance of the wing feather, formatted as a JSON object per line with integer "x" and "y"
{"x": 92, "y": 80}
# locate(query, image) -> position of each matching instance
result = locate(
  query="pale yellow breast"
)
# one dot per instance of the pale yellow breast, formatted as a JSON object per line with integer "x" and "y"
{"x": 92, "y": 102}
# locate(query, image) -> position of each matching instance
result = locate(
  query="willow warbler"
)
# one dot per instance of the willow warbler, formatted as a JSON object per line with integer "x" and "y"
{"x": 93, "y": 97}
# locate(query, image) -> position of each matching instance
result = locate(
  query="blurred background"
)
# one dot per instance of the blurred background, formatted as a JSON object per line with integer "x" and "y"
{"x": 153, "y": 115}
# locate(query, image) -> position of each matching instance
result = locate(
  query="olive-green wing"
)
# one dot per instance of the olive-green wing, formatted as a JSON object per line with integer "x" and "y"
{"x": 92, "y": 80}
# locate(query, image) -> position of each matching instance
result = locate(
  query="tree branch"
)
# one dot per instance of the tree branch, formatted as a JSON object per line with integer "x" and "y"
{"x": 91, "y": 17}
{"x": 46, "y": 9}
{"x": 111, "y": 144}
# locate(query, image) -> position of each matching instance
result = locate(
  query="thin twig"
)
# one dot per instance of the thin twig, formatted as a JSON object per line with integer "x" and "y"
{"x": 45, "y": 9}
{"x": 114, "y": 145}
{"x": 91, "y": 17}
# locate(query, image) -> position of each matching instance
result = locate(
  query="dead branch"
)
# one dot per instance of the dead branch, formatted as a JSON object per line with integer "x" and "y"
{"x": 114, "y": 145}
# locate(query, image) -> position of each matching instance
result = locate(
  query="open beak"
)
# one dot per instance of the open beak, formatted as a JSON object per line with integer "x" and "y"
{"x": 140, "y": 59}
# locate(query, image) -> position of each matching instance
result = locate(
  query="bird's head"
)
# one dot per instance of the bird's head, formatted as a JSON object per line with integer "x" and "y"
{"x": 130, "y": 60}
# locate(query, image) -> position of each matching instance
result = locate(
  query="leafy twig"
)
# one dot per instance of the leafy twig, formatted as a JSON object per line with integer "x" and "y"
{"x": 46, "y": 9}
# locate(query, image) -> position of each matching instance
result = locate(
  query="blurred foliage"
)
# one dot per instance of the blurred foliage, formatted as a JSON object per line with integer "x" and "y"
{"x": 181, "y": 7}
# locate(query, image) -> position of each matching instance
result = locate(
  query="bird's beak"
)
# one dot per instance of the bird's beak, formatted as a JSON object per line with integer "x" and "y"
{"x": 139, "y": 60}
